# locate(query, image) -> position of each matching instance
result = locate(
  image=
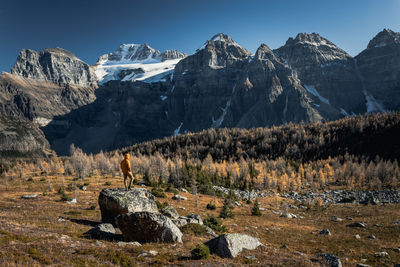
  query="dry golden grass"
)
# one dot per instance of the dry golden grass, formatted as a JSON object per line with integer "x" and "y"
{"x": 47, "y": 231}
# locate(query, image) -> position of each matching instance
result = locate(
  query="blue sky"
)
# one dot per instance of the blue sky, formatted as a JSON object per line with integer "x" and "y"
{"x": 92, "y": 28}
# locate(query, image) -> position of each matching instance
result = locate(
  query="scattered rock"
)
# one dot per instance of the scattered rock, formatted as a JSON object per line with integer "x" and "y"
{"x": 362, "y": 265}
{"x": 61, "y": 220}
{"x": 299, "y": 253}
{"x": 181, "y": 221}
{"x": 396, "y": 222}
{"x": 210, "y": 231}
{"x": 357, "y": 236}
{"x": 191, "y": 218}
{"x": 289, "y": 215}
{"x": 32, "y": 196}
{"x": 356, "y": 224}
{"x": 325, "y": 232}
{"x": 148, "y": 227}
{"x": 238, "y": 204}
{"x": 72, "y": 201}
{"x": 194, "y": 218}
{"x": 377, "y": 225}
{"x": 153, "y": 252}
{"x": 102, "y": 231}
{"x": 349, "y": 218}
{"x": 331, "y": 260}
{"x": 99, "y": 244}
{"x": 381, "y": 254}
{"x": 293, "y": 206}
{"x": 262, "y": 209}
{"x": 179, "y": 197}
{"x": 181, "y": 208}
{"x": 114, "y": 202}
{"x": 342, "y": 196}
{"x": 170, "y": 212}
{"x": 184, "y": 190}
{"x": 129, "y": 244}
{"x": 230, "y": 245}
{"x": 335, "y": 219}
{"x": 249, "y": 257}
{"x": 234, "y": 224}
{"x": 371, "y": 237}
{"x": 83, "y": 188}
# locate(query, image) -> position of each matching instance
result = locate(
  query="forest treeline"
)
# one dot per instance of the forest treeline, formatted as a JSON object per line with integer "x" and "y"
{"x": 352, "y": 153}
{"x": 364, "y": 135}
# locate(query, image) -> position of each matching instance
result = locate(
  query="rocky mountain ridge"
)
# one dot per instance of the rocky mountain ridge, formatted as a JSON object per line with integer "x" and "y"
{"x": 146, "y": 94}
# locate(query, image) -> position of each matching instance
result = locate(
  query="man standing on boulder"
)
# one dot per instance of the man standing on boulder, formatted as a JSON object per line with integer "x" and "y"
{"x": 126, "y": 170}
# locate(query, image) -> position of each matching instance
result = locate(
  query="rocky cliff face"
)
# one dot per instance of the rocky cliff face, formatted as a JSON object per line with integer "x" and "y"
{"x": 327, "y": 72}
{"x": 54, "y": 65}
{"x": 221, "y": 85}
{"x": 379, "y": 69}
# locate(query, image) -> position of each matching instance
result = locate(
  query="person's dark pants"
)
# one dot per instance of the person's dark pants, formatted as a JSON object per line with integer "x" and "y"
{"x": 126, "y": 175}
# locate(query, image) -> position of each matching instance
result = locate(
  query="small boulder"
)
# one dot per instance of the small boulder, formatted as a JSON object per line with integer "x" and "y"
{"x": 179, "y": 197}
{"x": 194, "y": 218}
{"x": 396, "y": 222}
{"x": 331, "y": 260}
{"x": 101, "y": 231}
{"x": 32, "y": 196}
{"x": 357, "y": 236}
{"x": 170, "y": 212}
{"x": 181, "y": 221}
{"x": 335, "y": 219}
{"x": 230, "y": 245}
{"x": 381, "y": 254}
{"x": 356, "y": 224}
{"x": 129, "y": 244}
{"x": 114, "y": 202}
{"x": 289, "y": 215}
{"x": 325, "y": 232}
{"x": 148, "y": 227}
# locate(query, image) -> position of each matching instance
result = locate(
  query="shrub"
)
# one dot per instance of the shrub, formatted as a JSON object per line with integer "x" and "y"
{"x": 65, "y": 197}
{"x": 30, "y": 179}
{"x": 211, "y": 206}
{"x": 215, "y": 224}
{"x": 158, "y": 192}
{"x": 170, "y": 189}
{"x": 226, "y": 211}
{"x": 107, "y": 183}
{"x": 61, "y": 191}
{"x": 201, "y": 251}
{"x": 255, "y": 211}
{"x": 194, "y": 228}
{"x": 160, "y": 205}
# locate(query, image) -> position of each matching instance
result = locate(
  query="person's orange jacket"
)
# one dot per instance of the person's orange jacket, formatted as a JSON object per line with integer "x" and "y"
{"x": 126, "y": 164}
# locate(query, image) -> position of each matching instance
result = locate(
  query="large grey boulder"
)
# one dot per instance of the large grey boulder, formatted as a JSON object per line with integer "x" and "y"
{"x": 148, "y": 227}
{"x": 230, "y": 245}
{"x": 116, "y": 201}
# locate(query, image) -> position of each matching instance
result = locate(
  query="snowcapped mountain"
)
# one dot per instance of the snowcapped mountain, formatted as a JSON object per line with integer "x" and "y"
{"x": 137, "y": 62}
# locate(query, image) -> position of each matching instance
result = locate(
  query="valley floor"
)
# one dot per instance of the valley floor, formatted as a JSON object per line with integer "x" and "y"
{"x": 48, "y": 231}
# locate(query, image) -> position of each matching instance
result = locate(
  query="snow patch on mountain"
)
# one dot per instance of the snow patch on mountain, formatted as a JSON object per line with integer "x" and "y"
{"x": 372, "y": 104}
{"x": 177, "y": 130}
{"x": 217, "y": 123}
{"x": 311, "y": 89}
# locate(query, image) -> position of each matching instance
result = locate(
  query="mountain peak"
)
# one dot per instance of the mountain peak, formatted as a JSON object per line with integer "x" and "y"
{"x": 313, "y": 39}
{"x": 222, "y": 37}
{"x": 56, "y": 65}
{"x": 384, "y": 38}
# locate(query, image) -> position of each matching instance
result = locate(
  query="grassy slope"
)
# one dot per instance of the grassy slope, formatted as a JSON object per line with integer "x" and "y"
{"x": 32, "y": 234}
